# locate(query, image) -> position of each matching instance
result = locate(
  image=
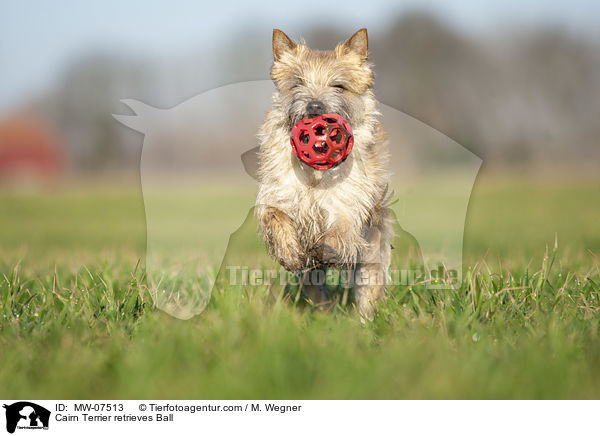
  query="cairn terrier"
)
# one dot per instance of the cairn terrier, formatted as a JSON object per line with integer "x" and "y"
{"x": 312, "y": 219}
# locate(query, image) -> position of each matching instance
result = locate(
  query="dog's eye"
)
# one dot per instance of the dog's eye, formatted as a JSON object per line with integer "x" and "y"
{"x": 297, "y": 84}
{"x": 342, "y": 87}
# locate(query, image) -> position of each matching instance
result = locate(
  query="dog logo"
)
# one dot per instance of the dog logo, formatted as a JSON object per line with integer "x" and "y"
{"x": 432, "y": 183}
{"x": 414, "y": 197}
{"x": 26, "y": 415}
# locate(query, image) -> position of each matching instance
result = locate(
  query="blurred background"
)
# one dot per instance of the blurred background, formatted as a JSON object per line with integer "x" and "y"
{"x": 517, "y": 83}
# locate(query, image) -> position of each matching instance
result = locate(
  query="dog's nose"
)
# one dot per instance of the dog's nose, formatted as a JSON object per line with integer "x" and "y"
{"x": 315, "y": 108}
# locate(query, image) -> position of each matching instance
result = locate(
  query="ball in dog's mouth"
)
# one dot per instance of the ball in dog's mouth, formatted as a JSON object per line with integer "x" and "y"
{"x": 321, "y": 149}
{"x": 322, "y": 142}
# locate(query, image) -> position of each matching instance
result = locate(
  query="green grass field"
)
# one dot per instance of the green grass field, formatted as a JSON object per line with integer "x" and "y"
{"x": 77, "y": 320}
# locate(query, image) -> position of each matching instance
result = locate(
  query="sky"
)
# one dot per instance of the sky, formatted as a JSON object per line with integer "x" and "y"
{"x": 39, "y": 39}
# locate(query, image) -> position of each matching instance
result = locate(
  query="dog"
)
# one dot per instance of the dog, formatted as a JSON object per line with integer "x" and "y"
{"x": 311, "y": 219}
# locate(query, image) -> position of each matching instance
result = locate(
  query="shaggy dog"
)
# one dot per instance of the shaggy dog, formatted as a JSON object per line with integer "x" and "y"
{"x": 312, "y": 219}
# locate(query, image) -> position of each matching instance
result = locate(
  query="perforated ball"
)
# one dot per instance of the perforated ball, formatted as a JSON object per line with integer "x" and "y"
{"x": 322, "y": 142}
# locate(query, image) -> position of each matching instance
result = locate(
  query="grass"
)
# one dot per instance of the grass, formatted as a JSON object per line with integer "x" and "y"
{"x": 77, "y": 319}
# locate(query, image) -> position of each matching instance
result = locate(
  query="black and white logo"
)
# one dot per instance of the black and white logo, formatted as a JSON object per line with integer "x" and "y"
{"x": 26, "y": 415}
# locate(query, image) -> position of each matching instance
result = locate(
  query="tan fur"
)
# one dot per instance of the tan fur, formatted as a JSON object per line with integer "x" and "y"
{"x": 339, "y": 217}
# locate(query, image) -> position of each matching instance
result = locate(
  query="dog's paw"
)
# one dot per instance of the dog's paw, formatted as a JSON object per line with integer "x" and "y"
{"x": 291, "y": 264}
{"x": 281, "y": 238}
{"x": 325, "y": 254}
{"x": 289, "y": 256}
{"x": 332, "y": 249}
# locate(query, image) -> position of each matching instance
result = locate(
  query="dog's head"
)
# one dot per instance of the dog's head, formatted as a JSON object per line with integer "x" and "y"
{"x": 311, "y": 82}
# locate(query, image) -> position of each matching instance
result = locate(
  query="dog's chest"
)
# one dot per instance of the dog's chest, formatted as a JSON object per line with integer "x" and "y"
{"x": 322, "y": 205}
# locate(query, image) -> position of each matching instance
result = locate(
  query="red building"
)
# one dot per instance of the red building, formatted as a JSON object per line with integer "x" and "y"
{"x": 28, "y": 150}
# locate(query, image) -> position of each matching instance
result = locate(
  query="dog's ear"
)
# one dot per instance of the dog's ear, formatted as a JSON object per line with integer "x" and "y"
{"x": 358, "y": 43}
{"x": 281, "y": 43}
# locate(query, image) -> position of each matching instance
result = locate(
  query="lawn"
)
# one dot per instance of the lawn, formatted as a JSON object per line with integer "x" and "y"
{"x": 77, "y": 319}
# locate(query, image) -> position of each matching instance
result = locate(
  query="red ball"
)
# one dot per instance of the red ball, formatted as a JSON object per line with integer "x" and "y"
{"x": 322, "y": 142}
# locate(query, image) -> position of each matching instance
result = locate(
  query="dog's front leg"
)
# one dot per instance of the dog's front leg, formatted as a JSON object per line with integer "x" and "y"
{"x": 281, "y": 237}
{"x": 339, "y": 245}
{"x": 371, "y": 273}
